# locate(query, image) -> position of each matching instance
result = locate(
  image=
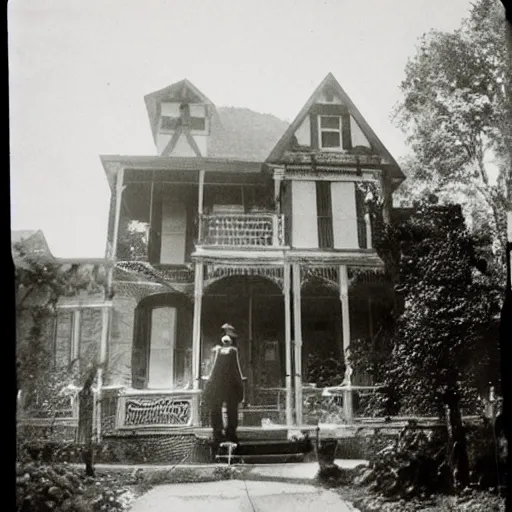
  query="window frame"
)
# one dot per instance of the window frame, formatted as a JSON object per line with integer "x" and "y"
{"x": 321, "y": 130}
{"x": 193, "y": 131}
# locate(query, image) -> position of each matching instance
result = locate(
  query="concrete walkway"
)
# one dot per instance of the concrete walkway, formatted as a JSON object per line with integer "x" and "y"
{"x": 240, "y": 496}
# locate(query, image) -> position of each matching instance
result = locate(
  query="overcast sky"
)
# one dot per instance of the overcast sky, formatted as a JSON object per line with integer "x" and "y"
{"x": 79, "y": 71}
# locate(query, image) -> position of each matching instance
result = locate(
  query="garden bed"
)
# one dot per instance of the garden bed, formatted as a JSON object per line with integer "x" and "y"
{"x": 62, "y": 487}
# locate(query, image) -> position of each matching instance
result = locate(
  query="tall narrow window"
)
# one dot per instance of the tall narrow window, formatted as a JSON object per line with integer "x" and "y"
{"x": 324, "y": 214}
{"x": 162, "y": 345}
{"x": 67, "y": 337}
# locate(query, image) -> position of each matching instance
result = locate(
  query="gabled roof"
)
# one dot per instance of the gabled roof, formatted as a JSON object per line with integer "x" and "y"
{"x": 244, "y": 135}
{"x": 179, "y": 90}
{"x": 330, "y": 82}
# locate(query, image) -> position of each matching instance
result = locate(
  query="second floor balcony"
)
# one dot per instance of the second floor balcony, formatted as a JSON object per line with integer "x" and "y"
{"x": 241, "y": 230}
{"x": 139, "y": 241}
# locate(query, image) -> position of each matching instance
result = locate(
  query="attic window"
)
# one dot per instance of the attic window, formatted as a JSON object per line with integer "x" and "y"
{"x": 174, "y": 115}
{"x": 330, "y": 132}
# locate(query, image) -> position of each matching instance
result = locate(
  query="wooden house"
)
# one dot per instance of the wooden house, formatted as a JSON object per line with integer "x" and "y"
{"x": 240, "y": 218}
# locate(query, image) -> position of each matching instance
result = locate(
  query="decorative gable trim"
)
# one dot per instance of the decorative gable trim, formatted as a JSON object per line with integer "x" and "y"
{"x": 312, "y": 108}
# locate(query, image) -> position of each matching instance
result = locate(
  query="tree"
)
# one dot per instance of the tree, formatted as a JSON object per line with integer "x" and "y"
{"x": 455, "y": 113}
{"x": 449, "y": 315}
{"x": 39, "y": 283}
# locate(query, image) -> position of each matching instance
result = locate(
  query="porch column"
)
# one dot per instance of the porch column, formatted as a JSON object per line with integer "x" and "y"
{"x": 368, "y": 227}
{"x": 297, "y": 325}
{"x": 278, "y": 178}
{"x": 196, "y": 338}
{"x": 105, "y": 321}
{"x": 345, "y": 314}
{"x": 200, "y": 201}
{"x": 288, "y": 344}
{"x": 119, "y": 193}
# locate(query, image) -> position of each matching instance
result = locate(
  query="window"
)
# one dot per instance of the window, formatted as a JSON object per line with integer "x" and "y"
{"x": 161, "y": 357}
{"x": 161, "y": 347}
{"x": 67, "y": 337}
{"x": 324, "y": 215}
{"x": 174, "y": 115}
{"x": 330, "y": 132}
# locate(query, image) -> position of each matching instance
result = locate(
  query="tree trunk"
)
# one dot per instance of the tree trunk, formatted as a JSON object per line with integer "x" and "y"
{"x": 457, "y": 444}
{"x": 85, "y": 421}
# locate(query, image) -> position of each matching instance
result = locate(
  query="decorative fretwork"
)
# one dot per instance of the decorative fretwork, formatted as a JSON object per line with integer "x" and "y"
{"x": 214, "y": 272}
{"x": 157, "y": 410}
{"x": 365, "y": 275}
{"x": 244, "y": 230}
{"x": 144, "y": 272}
{"x": 325, "y": 273}
{"x": 175, "y": 274}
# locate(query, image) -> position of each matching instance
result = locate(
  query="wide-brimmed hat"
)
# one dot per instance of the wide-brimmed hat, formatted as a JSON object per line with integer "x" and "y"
{"x": 229, "y": 330}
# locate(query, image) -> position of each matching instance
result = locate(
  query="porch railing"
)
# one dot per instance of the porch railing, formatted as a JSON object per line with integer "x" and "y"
{"x": 242, "y": 230}
{"x": 156, "y": 408}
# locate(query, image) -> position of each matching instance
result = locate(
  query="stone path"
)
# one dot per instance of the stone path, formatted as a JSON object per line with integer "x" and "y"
{"x": 241, "y": 496}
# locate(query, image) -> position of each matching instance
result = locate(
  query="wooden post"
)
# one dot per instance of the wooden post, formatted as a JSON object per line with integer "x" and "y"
{"x": 105, "y": 320}
{"x": 278, "y": 178}
{"x": 196, "y": 337}
{"x": 297, "y": 323}
{"x": 250, "y": 360}
{"x": 368, "y": 226}
{"x": 196, "y": 329}
{"x": 86, "y": 421}
{"x": 288, "y": 344}
{"x": 119, "y": 194}
{"x": 275, "y": 230}
{"x": 200, "y": 201}
{"x": 345, "y": 313}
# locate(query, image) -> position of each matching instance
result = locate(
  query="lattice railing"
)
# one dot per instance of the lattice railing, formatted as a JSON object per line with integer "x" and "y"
{"x": 34, "y": 406}
{"x": 242, "y": 230}
{"x": 153, "y": 409}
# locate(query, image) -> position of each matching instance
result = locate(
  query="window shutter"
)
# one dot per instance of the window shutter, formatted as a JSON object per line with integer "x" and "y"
{"x": 63, "y": 336}
{"x": 324, "y": 214}
{"x": 155, "y": 232}
{"x": 360, "y": 211}
{"x": 345, "y": 132}
{"x": 141, "y": 348}
{"x": 314, "y": 131}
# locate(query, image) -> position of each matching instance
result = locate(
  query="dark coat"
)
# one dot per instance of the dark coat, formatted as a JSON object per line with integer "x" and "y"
{"x": 225, "y": 381}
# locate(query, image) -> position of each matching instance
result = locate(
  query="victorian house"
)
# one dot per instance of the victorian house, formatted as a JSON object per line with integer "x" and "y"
{"x": 243, "y": 219}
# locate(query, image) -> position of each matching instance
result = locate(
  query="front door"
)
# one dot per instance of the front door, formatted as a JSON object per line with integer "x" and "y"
{"x": 268, "y": 361}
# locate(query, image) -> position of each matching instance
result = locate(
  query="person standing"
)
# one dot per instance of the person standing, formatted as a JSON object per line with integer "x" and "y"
{"x": 225, "y": 386}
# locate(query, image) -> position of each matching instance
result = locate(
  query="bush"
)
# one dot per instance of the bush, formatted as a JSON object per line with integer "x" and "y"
{"x": 60, "y": 488}
{"x": 411, "y": 466}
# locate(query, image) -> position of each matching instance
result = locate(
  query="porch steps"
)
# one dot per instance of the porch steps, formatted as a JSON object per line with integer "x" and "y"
{"x": 262, "y": 459}
{"x": 267, "y": 451}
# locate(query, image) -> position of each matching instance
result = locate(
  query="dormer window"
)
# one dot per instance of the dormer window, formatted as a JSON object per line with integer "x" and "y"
{"x": 329, "y": 132}
{"x": 184, "y": 114}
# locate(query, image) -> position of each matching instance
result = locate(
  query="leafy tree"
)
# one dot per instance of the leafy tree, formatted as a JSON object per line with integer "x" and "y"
{"x": 445, "y": 347}
{"x": 455, "y": 112}
{"x": 39, "y": 283}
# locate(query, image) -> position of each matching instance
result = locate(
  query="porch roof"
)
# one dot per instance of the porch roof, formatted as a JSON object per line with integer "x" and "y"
{"x": 112, "y": 164}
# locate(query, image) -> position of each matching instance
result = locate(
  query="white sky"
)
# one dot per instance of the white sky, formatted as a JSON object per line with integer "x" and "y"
{"x": 79, "y": 71}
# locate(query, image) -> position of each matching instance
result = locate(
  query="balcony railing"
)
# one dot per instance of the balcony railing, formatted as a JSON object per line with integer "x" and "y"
{"x": 242, "y": 230}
